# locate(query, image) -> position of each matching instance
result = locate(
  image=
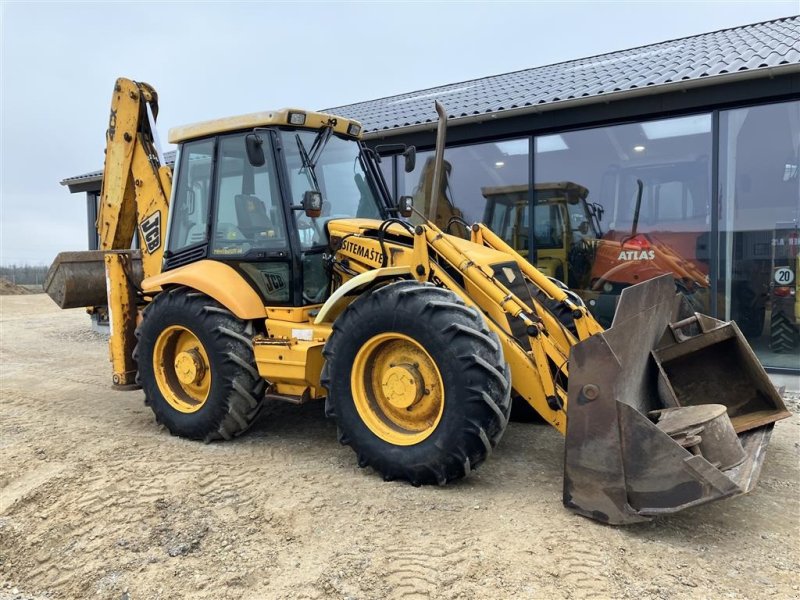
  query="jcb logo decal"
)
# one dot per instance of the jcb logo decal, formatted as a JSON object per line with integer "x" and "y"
{"x": 274, "y": 282}
{"x": 150, "y": 230}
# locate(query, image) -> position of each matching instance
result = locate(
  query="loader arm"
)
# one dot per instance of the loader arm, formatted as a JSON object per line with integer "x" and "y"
{"x": 615, "y": 394}
{"x": 523, "y": 307}
{"x": 536, "y": 321}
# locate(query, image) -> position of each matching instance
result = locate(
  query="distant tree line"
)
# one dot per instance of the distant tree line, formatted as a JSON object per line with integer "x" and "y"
{"x": 24, "y": 274}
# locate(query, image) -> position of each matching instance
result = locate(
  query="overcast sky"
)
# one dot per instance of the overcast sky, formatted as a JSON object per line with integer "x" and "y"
{"x": 207, "y": 60}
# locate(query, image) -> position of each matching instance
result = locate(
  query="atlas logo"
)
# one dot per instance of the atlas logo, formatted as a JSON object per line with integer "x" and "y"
{"x": 150, "y": 230}
{"x": 637, "y": 255}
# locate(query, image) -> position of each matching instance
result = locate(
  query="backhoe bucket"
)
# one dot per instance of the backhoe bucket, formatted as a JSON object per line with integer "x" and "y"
{"x": 77, "y": 279}
{"x": 667, "y": 409}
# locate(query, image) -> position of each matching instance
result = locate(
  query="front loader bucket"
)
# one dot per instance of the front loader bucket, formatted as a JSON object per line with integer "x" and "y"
{"x": 667, "y": 409}
{"x": 77, "y": 279}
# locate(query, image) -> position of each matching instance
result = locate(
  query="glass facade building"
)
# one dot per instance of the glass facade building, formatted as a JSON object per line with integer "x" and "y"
{"x": 711, "y": 198}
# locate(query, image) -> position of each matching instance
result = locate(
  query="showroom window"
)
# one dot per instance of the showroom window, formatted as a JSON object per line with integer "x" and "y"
{"x": 476, "y": 178}
{"x": 758, "y": 227}
{"x": 617, "y": 205}
{"x": 625, "y": 203}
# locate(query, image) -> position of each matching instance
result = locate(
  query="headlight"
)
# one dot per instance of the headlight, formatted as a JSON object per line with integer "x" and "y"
{"x": 297, "y": 118}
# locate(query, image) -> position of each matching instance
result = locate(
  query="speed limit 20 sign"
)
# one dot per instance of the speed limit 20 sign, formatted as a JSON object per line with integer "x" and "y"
{"x": 784, "y": 276}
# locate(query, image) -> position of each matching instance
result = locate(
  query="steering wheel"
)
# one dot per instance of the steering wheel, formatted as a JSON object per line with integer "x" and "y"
{"x": 581, "y": 257}
{"x": 318, "y": 298}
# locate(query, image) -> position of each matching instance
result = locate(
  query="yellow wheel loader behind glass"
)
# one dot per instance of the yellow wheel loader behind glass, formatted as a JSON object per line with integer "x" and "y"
{"x": 277, "y": 267}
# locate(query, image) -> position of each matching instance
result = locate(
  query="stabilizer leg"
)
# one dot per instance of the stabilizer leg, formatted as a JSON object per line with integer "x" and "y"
{"x": 122, "y": 314}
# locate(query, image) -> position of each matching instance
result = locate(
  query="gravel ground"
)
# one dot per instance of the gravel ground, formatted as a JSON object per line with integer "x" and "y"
{"x": 96, "y": 501}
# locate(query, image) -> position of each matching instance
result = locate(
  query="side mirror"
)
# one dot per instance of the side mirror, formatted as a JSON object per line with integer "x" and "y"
{"x": 405, "y": 206}
{"x": 599, "y": 210}
{"x": 255, "y": 150}
{"x": 312, "y": 204}
{"x": 410, "y": 154}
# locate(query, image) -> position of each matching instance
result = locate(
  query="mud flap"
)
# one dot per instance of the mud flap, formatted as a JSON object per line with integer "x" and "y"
{"x": 621, "y": 465}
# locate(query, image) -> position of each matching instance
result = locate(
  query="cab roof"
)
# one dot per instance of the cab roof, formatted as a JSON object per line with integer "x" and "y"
{"x": 312, "y": 120}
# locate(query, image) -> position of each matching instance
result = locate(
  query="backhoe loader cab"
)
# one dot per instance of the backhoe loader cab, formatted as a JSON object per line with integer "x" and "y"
{"x": 255, "y": 218}
{"x": 289, "y": 276}
{"x": 565, "y": 226}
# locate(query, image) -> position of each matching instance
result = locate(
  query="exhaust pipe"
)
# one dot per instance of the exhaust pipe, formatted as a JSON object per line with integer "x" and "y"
{"x": 438, "y": 160}
{"x": 667, "y": 409}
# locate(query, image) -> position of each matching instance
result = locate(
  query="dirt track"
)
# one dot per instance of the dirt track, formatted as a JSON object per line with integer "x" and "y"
{"x": 97, "y": 502}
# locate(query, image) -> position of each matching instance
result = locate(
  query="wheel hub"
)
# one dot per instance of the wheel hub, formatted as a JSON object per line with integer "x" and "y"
{"x": 397, "y": 388}
{"x": 182, "y": 369}
{"x": 189, "y": 367}
{"x": 402, "y": 385}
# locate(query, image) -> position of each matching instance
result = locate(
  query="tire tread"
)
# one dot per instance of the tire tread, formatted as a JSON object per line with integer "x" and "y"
{"x": 477, "y": 350}
{"x": 243, "y": 394}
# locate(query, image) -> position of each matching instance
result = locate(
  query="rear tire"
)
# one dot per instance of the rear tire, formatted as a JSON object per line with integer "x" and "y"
{"x": 782, "y": 333}
{"x": 220, "y": 407}
{"x": 473, "y": 380}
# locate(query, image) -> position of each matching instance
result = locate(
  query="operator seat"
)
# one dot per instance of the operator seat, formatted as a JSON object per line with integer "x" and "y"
{"x": 252, "y": 218}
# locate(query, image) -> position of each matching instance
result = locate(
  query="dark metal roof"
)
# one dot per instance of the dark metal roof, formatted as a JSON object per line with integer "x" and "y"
{"x": 700, "y": 60}
{"x": 77, "y": 180}
{"x": 757, "y": 50}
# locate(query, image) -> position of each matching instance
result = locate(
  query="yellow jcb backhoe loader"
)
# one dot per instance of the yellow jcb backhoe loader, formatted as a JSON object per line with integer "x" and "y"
{"x": 289, "y": 274}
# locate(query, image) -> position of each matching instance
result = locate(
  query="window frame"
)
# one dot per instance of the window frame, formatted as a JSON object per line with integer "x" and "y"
{"x": 285, "y": 255}
{"x": 256, "y": 254}
{"x": 169, "y": 253}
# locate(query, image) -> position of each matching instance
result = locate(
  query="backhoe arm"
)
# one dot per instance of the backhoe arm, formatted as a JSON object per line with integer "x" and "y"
{"x": 136, "y": 183}
{"x": 135, "y": 197}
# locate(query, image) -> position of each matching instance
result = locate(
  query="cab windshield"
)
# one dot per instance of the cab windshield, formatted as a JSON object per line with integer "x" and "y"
{"x": 322, "y": 161}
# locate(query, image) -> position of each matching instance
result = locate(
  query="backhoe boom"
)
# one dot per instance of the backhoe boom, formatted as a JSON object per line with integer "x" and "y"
{"x": 136, "y": 183}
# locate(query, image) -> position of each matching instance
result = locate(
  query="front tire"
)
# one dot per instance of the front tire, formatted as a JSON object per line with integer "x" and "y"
{"x": 196, "y": 366}
{"x": 417, "y": 383}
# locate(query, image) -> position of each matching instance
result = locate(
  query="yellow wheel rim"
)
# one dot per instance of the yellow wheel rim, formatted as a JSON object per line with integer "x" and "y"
{"x": 182, "y": 369}
{"x": 397, "y": 389}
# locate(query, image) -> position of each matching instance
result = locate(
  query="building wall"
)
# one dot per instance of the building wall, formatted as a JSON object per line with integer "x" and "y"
{"x": 719, "y": 209}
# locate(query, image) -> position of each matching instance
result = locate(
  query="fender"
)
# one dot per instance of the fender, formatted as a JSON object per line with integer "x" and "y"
{"x": 339, "y": 297}
{"x": 214, "y": 279}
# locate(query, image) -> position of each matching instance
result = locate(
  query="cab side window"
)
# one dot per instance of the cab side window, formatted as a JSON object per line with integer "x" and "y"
{"x": 192, "y": 195}
{"x": 249, "y": 214}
